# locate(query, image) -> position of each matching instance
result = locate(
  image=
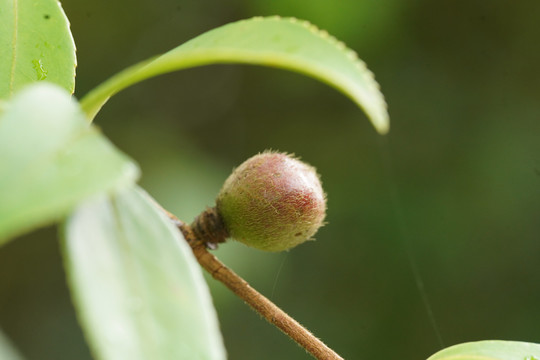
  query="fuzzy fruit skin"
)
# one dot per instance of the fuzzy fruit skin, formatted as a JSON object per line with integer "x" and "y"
{"x": 272, "y": 202}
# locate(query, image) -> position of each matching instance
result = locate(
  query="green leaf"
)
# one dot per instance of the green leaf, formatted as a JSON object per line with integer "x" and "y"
{"x": 36, "y": 45}
{"x": 490, "y": 350}
{"x": 139, "y": 291}
{"x": 284, "y": 43}
{"x": 51, "y": 159}
{"x": 7, "y": 351}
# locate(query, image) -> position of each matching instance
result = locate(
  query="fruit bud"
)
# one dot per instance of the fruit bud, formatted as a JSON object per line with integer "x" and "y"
{"x": 272, "y": 202}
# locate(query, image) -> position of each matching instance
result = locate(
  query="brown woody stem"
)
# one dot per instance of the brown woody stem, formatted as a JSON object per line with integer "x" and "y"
{"x": 252, "y": 297}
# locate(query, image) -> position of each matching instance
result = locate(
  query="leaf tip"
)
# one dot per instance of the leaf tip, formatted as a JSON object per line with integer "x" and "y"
{"x": 382, "y": 125}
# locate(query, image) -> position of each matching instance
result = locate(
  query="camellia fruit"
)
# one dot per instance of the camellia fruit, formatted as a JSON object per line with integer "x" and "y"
{"x": 272, "y": 202}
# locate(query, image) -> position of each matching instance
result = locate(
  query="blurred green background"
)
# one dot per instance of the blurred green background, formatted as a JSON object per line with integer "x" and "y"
{"x": 453, "y": 191}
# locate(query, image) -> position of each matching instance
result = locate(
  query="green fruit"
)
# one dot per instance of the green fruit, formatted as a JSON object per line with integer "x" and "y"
{"x": 272, "y": 202}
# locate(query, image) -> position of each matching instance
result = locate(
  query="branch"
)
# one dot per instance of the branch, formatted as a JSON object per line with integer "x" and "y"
{"x": 252, "y": 297}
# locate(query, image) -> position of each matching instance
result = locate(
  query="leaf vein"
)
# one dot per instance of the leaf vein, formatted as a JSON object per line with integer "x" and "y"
{"x": 14, "y": 43}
